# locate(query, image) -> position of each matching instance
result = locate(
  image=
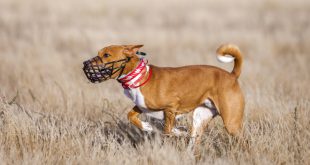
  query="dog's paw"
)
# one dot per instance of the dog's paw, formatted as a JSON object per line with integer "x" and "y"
{"x": 146, "y": 127}
{"x": 178, "y": 132}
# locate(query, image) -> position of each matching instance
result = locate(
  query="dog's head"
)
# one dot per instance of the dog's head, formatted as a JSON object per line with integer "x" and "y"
{"x": 111, "y": 62}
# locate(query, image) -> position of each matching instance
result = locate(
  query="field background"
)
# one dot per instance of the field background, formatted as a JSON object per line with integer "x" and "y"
{"x": 50, "y": 114}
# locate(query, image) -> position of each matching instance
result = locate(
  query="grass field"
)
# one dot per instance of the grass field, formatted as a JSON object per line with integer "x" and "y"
{"x": 50, "y": 114}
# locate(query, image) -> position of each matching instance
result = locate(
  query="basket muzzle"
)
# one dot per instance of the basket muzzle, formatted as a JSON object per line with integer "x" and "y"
{"x": 99, "y": 72}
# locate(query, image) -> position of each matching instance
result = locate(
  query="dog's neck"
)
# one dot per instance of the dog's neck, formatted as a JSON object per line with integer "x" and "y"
{"x": 136, "y": 77}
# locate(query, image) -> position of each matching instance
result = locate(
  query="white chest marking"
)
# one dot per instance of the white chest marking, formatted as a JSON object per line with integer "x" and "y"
{"x": 137, "y": 97}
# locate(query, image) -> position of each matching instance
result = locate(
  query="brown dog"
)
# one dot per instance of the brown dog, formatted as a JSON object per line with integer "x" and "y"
{"x": 166, "y": 93}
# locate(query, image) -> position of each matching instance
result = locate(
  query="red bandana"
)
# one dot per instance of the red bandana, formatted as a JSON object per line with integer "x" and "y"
{"x": 132, "y": 79}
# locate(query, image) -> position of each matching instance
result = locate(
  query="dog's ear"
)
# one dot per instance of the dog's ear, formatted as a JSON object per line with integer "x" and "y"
{"x": 131, "y": 50}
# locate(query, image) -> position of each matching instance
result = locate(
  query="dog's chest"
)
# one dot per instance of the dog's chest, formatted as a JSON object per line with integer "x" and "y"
{"x": 137, "y": 97}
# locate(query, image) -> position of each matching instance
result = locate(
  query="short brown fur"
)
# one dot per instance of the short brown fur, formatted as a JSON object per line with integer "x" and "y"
{"x": 180, "y": 90}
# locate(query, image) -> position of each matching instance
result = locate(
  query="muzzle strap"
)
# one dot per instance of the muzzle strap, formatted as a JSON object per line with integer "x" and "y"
{"x": 141, "y": 53}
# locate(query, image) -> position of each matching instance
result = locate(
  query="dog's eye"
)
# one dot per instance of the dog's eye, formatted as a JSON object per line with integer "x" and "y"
{"x": 106, "y": 55}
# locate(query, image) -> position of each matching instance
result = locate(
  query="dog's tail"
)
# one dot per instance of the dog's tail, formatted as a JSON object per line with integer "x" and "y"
{"x": 227, "y": 53}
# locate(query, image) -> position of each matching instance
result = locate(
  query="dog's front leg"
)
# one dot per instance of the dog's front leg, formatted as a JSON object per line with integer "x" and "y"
{"x": 133, "y": 118}
{"x": 169, "y": 121}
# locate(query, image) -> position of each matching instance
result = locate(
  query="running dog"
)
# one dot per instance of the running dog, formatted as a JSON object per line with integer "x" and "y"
{"x": 167, "y": 92}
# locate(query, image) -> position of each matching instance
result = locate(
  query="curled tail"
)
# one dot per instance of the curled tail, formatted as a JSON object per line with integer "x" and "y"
{"x": 227, "y": 53}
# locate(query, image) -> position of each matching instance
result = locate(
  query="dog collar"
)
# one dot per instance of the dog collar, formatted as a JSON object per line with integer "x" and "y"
{"x": 133, "y": 79}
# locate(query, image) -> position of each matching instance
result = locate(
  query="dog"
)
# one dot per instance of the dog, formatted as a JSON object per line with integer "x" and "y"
{"x": 166, "y": 93}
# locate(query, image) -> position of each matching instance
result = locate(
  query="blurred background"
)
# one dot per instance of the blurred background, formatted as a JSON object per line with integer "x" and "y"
{"x": 43, "y": 44}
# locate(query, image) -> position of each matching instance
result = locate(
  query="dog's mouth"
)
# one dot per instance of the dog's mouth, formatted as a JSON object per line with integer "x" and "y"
{"x": 99, "y": 72}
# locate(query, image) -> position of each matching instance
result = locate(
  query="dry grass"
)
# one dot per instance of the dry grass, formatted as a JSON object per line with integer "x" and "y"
{"x": 50, "y": 114}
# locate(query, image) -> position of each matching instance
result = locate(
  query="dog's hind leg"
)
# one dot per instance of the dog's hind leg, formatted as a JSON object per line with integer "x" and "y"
{"x": 133, "y": 118}
{"x": 231, "y": 111}
{"x": 201, "y": 117}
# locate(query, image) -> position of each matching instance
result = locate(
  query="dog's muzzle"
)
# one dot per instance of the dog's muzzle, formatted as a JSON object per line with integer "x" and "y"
{"x": 100, "y": 72}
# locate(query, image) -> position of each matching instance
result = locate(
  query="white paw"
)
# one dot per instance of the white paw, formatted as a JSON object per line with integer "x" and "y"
{"x": 146, "y": 127}
{"x": 178, "y": 132}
